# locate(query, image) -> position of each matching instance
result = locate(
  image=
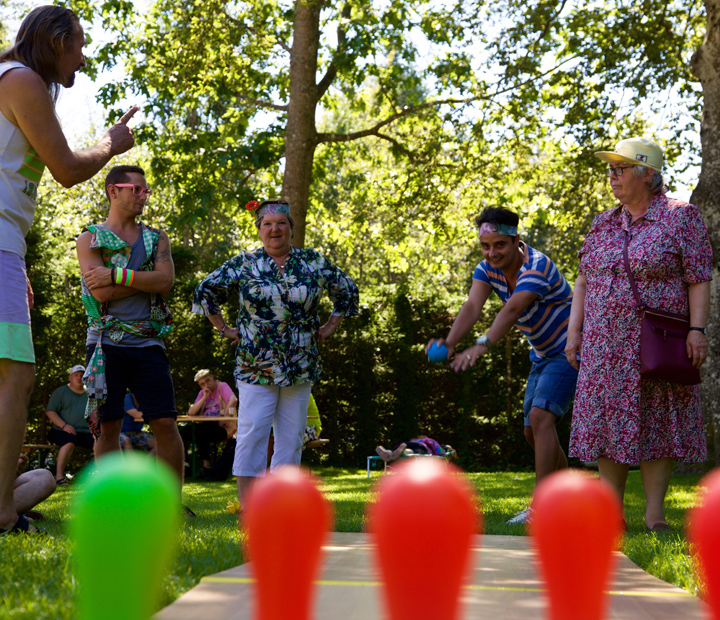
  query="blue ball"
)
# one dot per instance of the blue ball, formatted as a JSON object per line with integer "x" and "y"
{"x": 437, "y": 353}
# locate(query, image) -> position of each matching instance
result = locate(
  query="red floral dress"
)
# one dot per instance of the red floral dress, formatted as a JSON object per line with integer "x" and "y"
{"x": 617, "y": 415}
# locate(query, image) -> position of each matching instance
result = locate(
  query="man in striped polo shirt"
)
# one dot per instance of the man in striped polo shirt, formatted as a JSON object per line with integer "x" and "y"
{"x": 537, "y": 300}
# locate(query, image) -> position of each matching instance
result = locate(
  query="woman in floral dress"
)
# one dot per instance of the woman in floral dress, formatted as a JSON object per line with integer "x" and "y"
{"x": 619, "y": 418}
{"x": 277, "y": 332}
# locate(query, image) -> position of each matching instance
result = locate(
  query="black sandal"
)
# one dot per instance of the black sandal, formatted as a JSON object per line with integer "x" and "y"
{"x": 22, "y": 526}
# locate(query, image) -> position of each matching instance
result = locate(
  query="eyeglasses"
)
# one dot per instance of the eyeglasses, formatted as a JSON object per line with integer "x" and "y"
{"x": 617, "y": 171}
{"x": 138, "y": 190}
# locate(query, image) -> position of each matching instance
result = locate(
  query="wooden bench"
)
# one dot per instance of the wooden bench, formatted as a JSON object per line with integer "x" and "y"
{"x": 31, "y": 447}
{"x": 42, "y": 448}
{"x": 316, "y": 443}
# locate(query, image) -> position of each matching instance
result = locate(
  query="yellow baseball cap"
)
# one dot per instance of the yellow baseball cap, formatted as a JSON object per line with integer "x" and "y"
{"x": 636, "y": 151}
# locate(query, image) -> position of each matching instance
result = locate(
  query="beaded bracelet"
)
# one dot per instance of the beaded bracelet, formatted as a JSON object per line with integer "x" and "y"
{"x": 124, "y": 277}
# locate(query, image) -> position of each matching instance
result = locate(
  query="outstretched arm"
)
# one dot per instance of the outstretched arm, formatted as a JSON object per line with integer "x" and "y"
{"x": 503, "y": 323}
{"x": 27, "y": 104}
{"x": 467, "y": 317}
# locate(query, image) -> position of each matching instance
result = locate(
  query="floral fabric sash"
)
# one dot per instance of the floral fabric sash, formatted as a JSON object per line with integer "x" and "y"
{"x": 116, "y": 253}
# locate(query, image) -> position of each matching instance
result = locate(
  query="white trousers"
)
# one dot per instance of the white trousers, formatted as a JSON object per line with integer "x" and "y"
{"x": 261, "y": 407}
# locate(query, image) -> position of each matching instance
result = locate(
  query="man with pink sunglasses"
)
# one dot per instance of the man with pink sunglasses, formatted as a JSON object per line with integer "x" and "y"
{"x": 127, "y": 270}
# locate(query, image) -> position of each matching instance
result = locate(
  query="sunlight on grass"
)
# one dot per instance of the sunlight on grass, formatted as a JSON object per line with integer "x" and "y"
{"x": 37, "y": 581}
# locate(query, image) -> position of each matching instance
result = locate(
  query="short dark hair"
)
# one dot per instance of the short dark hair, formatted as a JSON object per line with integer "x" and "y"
{"x": 119, "y": 174}
{"x": 497, "y": 215}
{"x": 45, "y": 33}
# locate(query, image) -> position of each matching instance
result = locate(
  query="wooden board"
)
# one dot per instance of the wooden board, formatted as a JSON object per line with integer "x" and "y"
{"x": 504, "y": 586}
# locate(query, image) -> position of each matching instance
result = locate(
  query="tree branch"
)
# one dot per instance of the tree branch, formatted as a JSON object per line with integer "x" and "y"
{"x": 261, "y": 103}
{"x": 374, "y": 131}
{"x": 331, "y": 72}
{"x": 541, "y": 36}
{"x": 252, "y": 30}
{"x": 397, "y": 145}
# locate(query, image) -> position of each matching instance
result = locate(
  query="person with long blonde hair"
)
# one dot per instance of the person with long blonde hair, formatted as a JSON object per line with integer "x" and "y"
{"x": 47, "y": 53}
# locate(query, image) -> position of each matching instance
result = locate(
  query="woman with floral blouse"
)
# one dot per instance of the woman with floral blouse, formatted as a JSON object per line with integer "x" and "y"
{"x": 278, "y": 332}
{"x": 620, "y": 418}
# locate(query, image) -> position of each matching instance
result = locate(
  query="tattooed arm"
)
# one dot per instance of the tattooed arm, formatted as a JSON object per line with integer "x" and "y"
{"x": 164, "y": 266}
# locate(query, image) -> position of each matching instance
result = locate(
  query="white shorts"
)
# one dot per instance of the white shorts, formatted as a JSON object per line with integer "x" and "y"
{"x": 261, "y": 407}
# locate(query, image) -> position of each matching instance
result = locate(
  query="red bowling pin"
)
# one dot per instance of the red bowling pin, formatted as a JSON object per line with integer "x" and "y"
{"x": 423, "y": 522}
{"x": 704, "y": 534}
{"x": 287, "y": 521}
{"x": 575, "y": 527}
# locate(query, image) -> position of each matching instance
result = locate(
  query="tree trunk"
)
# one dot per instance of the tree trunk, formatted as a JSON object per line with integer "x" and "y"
{"x": 705, "y": 65}
{"x": 301, "y": 133}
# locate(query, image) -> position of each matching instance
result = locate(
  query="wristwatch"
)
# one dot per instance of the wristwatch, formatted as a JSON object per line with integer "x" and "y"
{"x": 702, "y": 330}
{"x": 484, "y": 340}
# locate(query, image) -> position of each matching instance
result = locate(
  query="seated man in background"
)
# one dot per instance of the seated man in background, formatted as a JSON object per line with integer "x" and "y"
{"x": 215, "y": 398}
{"x": 132, "y": 434}
{"x": 66, "y": 410}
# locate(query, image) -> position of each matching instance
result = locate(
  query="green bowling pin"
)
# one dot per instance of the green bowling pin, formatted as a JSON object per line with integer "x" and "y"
{"x": 125, "y": 525}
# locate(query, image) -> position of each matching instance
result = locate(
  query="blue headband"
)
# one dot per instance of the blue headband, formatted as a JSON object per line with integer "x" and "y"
{"x": 502, "y": 229}
{"x": 273, "y": 207}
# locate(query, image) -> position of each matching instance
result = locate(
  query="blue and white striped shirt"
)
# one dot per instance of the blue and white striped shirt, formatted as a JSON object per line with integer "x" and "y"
{"x": 545, "y": 321}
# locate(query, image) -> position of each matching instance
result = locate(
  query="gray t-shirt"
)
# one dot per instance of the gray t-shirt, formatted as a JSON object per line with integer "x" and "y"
{"x": 133, "y": 308}
{"x": 70, "y": 406}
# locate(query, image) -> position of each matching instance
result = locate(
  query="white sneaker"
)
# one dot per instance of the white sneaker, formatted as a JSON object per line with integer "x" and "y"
{"x": 522, "y": 517}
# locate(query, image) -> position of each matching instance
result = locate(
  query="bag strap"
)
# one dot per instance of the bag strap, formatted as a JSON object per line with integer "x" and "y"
{"x": 634, "y": 287}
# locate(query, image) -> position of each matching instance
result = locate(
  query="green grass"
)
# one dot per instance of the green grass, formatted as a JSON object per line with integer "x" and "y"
{"x": 37, "y": 582}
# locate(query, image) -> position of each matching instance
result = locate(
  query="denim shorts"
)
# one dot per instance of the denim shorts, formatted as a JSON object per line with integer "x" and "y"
{"x": 550, "y": 386}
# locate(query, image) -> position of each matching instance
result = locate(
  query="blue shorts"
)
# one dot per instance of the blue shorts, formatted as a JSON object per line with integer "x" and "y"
{"x": 550, "y": 386}
{"x": 144, "y": 371}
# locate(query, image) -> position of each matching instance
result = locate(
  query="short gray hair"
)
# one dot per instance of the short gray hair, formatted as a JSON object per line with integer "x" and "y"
{"x": 656, "y": 182}
{"x": 201, "y": 374}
